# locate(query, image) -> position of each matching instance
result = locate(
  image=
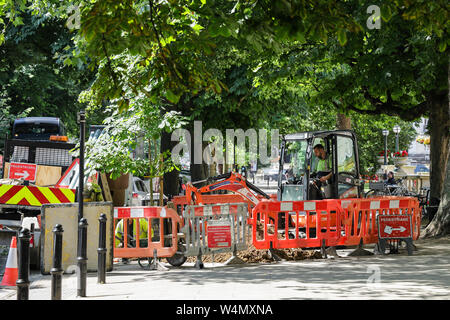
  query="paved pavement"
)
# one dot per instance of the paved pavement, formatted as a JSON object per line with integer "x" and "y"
{"x": 424, "y": 275}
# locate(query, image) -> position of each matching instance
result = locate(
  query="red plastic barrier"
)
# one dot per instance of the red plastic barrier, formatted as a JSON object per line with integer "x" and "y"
{"x": 181, "y": 201}
{"x": 148, "y": 213}
{"x": 360, "y": 217}
{"x": 307, "y": 230}
{"x": 337, "y": 222}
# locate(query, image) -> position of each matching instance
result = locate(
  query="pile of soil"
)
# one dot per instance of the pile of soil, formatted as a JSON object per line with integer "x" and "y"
{"x": 253, "y": 255}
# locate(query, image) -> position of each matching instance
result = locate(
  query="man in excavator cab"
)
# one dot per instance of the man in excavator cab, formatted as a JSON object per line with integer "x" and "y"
{"x": 322, "y": 172}
{"x": 318, "y": 165}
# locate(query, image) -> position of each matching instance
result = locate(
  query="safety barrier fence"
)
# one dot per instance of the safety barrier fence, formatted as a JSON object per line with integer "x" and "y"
{"x": 225, "y": 227}
{"x": 215, "y": 228}
{"x": 360, "y": 217}
{"x": 295, "y": 224}
{"x": 180, "y": 202}
{"x": 161, "y": 225}
{"x": 312, "y": 224}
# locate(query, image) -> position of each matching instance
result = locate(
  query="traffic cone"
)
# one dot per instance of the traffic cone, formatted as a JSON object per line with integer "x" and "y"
{"x": 11, "y": 269}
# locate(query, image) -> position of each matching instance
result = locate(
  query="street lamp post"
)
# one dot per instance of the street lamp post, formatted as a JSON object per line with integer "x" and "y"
{"x": 396, "y": 130}
{"x": 385, "y": 134}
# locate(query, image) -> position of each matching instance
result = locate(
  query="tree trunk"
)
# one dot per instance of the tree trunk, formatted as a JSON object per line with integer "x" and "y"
{"x": 198, "y": 171}
{"x": 170, "y": 182}
{"x": 343, "y": 122}
{"x": 440, "y": 225}
{"x": 440, "y": 136}
{"x": 441, "y": 222}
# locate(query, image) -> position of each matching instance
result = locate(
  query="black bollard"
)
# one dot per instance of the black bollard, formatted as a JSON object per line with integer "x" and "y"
{"x": 32, "y": 235}
{"x": 56, "y": 271}
{"x": 23, "y": 260}
{"x": 101, "y": 269}
{"x": 82, "y": 122}
{"x": 82, "y": 258}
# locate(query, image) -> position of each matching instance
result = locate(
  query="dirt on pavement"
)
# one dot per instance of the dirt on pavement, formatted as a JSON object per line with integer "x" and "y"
{"x": 253, "y": 255}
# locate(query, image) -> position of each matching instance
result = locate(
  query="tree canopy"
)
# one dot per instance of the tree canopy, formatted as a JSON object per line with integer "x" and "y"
{"x": 239, "y": 63}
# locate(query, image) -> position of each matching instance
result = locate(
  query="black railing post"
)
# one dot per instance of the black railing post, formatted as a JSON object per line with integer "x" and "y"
{"x": 23, "y": 257}
{"x": 82, "y": 258}
{"x": 57, "y": 270}
{"x": 82, "y": 122}
{"x": 32, "y": 239}
{"x": 101, "y": 269}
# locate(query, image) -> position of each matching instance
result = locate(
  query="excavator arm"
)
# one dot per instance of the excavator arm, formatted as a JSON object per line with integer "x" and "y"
{"x": 231, "y": 181}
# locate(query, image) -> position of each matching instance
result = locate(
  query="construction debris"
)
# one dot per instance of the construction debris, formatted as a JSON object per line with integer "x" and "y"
{"x": 253, "y": 255}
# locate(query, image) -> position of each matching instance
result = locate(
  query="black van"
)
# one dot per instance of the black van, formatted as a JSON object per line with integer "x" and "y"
{"x": 37, "y": 128}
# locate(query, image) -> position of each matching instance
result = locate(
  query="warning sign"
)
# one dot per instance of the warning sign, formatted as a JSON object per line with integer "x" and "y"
{"x": 219, "y": 234}
{"x": 394, "y": 226}
{"x": 25, "y": 171}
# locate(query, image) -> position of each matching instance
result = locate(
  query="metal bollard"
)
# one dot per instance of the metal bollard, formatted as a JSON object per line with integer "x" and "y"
{"x": 32, "y": 236}
{"x": 81, "y": 117}
{"x": 101, "y": 269}
{"x": 56, "y": 271}
{"x": 23, "y": 257}
{"x": 82, "y": 258}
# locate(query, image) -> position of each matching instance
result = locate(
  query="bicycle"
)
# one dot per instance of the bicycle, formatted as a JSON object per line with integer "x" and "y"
{"x": 383, "y": 189}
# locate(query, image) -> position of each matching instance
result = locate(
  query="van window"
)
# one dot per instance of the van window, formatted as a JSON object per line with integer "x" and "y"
{"x": 35, "y": 129}
{"x": 140, "y": 186}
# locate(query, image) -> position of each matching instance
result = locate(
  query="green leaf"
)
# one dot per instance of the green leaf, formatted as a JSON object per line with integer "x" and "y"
{"x": 342, "y": 37}
{"x": 442, "y": 46}
{"x": 196, "y": 28}
{"x": 171, "y": 96}
{"x": 386, "y": 12}
{"x": 225, "y": 31}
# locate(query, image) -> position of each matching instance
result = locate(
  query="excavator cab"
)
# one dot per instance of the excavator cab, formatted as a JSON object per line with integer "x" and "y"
{"x": 299, "y": 171}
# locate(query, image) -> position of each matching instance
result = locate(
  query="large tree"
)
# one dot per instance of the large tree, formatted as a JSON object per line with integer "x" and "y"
{"x": 33, "y": 76}
{"x": 160, "y": 49}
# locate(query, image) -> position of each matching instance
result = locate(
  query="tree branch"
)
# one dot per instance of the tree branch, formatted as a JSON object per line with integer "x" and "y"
{"x": 170, "y": 65}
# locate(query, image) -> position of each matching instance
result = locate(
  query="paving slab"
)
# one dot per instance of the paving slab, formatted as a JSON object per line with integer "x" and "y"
{"x": 423, "y": 275}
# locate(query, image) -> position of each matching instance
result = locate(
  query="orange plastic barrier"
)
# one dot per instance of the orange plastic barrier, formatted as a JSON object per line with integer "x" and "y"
{"x": 163, "y": 215}
{"x": 309, "y": 224}
{"x": 181, "y": 201}
{"x": 307, "y": 231}
{"x": 360, "y": 217}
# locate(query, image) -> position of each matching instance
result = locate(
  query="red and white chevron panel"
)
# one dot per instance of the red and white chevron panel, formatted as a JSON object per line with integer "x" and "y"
{"x": 202, "y": 210}
{"x": 297, "y": 205}
{"x": 139, "y": 212}
{"x": 384, "y": 204}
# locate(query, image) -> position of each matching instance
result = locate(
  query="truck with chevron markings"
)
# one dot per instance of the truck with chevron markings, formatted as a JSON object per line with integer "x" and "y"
{"x": 34, "y": 160}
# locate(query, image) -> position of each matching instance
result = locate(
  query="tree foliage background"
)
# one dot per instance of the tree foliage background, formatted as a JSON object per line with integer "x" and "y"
{"x": 289, "y": 64}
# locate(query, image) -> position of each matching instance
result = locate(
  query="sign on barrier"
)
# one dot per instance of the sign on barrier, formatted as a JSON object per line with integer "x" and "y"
{"x": 26, "y": 171}
{"x": 394, "y": 226}
{"x": 215, "y": 228}
{"x": 219, "y": 234}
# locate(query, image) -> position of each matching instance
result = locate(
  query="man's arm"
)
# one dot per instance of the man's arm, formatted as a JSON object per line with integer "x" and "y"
{"x": 325, "y": 178}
